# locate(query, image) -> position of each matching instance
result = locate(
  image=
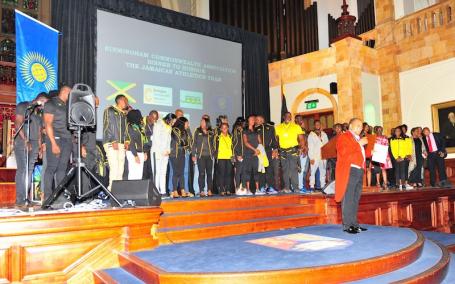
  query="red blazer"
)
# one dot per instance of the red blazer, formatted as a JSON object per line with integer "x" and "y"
{"x": 348, "y": 153}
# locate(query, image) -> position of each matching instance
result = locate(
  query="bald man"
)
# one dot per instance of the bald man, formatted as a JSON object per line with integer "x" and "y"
{"x": 349, "y": 172}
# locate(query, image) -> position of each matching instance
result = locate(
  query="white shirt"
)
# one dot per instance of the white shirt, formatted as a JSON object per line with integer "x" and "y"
{"x": 315, "y": 144}
{"x": 161, "y": 138}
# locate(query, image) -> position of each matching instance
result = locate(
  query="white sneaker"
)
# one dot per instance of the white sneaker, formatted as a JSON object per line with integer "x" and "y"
{"x": 400, "y": 187}
{"x": 259, "y": 192}
{"x": 240, "y": 191}
{"x": 248, "y": 192}
{"x": 408, "y": 187}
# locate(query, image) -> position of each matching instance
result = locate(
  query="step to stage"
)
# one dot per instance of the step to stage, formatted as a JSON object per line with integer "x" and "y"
{"x": 314, "y": 254}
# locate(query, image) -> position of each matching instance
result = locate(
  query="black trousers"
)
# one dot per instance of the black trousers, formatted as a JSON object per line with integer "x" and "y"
{"x": 21, "y": 173}
{"x": 436, "y": 162}
{"x": 224, "y": 175}
{"x": 272, "y": 172}
{"x": 56, "y": 166}
{"x": 178, "y": 167}
{"x": 238, "y": 177}
{"x": 400, "y": 171}
{"x": 350, "y": 202}
{"x": 250, "y": 168}
{"x": 205, "y": 165}
{"x": 416, "y": 173}
{"x": 290, "y": 162}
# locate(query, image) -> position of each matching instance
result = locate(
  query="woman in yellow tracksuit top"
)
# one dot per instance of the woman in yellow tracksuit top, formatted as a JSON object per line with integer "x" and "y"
{"x": 401, "y": 147}
{"x": 224, "y": 156}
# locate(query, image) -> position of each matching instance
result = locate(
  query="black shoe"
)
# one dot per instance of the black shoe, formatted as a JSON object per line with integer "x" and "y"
{"x": 361, "y": 229}
{"x": 351, "y": 230}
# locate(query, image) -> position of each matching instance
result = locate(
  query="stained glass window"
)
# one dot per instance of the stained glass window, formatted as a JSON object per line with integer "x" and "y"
{"x": 10, "y": 2}
{"x": 8, "y": 25}
{"x": 30, "y": 4}
{"x": 7, "y": 50}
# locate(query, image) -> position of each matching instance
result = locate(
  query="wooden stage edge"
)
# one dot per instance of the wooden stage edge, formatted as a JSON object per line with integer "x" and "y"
{"x": 67, "y": 247}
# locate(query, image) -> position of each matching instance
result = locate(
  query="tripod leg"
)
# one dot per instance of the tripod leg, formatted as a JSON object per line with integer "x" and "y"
{"x": 58, "y": 190}
{"x": 102, "y": 187}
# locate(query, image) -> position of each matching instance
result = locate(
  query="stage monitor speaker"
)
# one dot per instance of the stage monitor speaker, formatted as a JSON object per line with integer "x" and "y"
{"x": 141, "y": 192}
{"x": 81, "y": 107}
{"x": 333, "y": 88}
{"x": 329, "y": 188}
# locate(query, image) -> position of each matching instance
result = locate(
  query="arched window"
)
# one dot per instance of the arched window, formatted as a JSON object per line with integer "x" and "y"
{"x": 449, "y": 14}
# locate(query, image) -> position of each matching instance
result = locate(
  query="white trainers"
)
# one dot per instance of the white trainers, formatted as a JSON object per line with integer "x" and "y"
{"x": 248, "y": 192}
{"x": 408, "y": 187}
{"x": 240, "y": 191}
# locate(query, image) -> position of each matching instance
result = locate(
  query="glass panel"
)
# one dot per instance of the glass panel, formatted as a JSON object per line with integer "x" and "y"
{"x": 30, "y": 4}
{"x": 323, "y": 122}
{"x": 449, "y": 14}
{"x": 330, "y": 121}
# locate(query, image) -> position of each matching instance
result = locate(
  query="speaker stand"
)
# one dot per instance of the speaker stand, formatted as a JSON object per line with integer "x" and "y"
{"x": 78, "y": 166}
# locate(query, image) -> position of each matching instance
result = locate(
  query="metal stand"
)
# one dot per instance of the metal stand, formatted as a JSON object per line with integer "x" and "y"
{"x": 27, "y": 115}
{"x": 77, "y": 168}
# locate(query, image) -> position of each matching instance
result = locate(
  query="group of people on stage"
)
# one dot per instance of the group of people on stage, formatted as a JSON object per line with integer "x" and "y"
{"x": 250, "y": 157}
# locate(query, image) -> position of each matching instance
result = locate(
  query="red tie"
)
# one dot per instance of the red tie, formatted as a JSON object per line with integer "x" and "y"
{"x": 430, "y": 146}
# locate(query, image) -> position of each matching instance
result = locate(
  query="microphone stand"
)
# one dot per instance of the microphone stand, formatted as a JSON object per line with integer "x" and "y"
{"x": 27, "y": 114}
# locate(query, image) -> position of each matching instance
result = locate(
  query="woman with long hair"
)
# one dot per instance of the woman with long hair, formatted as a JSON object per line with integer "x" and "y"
{"x": 401, "y": 151}
{"x": 251, "y": 140}
{"x": 138, "y": 145}
{"x": 161, "y": 148}
{"x": 203, "y": 152}
{"x": 379, "y": 168}
{"x": 179, "y": 142}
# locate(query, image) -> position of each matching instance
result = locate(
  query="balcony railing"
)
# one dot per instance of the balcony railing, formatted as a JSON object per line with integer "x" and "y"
{"x": 7, "y": 73}
{"x": 423, "y": 21}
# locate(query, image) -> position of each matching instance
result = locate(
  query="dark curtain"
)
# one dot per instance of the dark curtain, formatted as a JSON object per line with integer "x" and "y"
{"x": 76, "y": 20}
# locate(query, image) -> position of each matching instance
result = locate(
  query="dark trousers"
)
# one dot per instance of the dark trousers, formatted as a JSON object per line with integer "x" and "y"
{"x": 436, "y": 162}
{"x": 90, "y": 164}
{"x": 238, "y": 177}
{"x": 178, "y": 167}
{"x": 416, "y": 173}
{"x": 272, "y": 172}
{"x": 400, "y": 171}
{"x": 56, "y": 166}
{"x": 331, "y": 164}
{"x": 224, "y": 175}
{"x": 350, "y": 203}
{"x": 21, "y": 172}
{"x": 250, "y": 169}
{"x": 290, "y": 166}
{"x": 204, "y": 165}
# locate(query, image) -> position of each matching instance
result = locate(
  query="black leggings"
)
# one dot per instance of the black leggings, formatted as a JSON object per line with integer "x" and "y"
{"x": 223, "y": 174}
{"x": 205, "y": 165}
{"x": 178, "y": 166}
{"x": 238, "y": 178}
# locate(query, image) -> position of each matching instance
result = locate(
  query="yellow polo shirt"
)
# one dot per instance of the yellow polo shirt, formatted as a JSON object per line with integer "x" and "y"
{"x": 225, "y": 147}
{"x": 288, "y": 134}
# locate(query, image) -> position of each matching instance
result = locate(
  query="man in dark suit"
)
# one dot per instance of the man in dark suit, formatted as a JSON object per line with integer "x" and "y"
{"x": 436, "y": 149}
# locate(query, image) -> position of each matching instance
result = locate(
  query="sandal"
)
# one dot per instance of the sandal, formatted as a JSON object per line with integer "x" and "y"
{"x": 175, "y": 194}
{"x": 209, "y": 193}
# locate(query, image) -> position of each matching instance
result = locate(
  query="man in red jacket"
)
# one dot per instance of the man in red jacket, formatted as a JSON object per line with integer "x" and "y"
{"x": 349, "y": 174}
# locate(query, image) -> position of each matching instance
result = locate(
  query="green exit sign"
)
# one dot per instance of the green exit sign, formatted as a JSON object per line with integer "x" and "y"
{"x": 311, "y": 105}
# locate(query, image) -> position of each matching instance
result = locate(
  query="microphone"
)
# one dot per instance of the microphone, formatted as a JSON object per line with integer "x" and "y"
{"x": 35, "y": 104}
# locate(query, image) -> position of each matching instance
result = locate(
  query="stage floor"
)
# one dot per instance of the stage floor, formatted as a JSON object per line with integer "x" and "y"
{"x": 316, "y": 253}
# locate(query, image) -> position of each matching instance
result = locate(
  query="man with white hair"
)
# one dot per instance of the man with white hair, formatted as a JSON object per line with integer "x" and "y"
{"x": 349, "y": 172}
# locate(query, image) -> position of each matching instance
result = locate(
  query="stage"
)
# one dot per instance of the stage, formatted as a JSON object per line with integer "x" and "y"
{"x": 59, "y": 246}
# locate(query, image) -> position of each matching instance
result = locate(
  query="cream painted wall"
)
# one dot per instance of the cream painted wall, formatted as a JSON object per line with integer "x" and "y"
{"x": 421, "y": 87}
{"x": 292, "y": 90}
{"x": 371, "y": 93}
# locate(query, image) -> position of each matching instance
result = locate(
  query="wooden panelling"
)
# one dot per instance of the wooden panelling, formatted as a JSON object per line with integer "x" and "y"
{"x": 7, "y": 194}
{"x": 425, "y": 209}
{"x": 58, "y": 247}
{"x": 290, "y": 27}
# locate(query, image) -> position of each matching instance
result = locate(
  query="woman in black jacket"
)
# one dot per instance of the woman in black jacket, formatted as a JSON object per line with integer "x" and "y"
{"x": 179, "y": 141}
{"x": 203, "y": 152}
{"x": 138, "y": 145}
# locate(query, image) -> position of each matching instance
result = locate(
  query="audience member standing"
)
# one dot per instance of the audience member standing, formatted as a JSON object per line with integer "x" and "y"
{"x": 161, "y": 148}
{"x": 114, "y": 137}
{"x": 436, "y": 149}
{"x": 401, "y": 151}
{"x": 203, "y": 151}
{"x": 316, "y": 139}
{"x": 288, "y": 140}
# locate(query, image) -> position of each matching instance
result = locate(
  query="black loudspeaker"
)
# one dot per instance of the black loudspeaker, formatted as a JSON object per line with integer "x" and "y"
{"x": 333, "y": 88}
{"x": 141, "y": 192}
{"x": 81, "y": 107}
{"x": 329, "y": 188}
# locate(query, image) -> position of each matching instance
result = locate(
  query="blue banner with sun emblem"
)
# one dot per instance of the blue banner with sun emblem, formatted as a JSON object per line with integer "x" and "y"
{"x": 36, "y": 57}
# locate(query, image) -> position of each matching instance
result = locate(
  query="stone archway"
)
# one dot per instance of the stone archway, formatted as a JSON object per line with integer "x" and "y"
{"x": 302, "y": 96}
